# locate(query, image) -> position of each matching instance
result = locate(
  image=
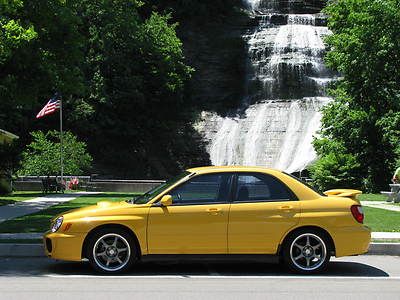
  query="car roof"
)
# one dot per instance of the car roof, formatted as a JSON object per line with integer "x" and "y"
{"x": 212, "y": 169}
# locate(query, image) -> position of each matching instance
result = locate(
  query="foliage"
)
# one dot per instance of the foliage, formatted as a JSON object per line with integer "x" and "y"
{"x": 137, "y": 82}
{"x": 363, "y": 117}
{"x": 122, "y": 74}
{"x": 335, "y": 169}
{"x": 42, "y": 155}
{"x": 391, "y": 135}
{"x": 47, "y": 59}
{"x": 364, "y": 47}
{"x": 12, "y": 33}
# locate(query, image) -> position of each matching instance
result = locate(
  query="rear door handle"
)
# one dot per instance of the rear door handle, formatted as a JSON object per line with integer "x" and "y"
{"x": 213, "y": 211}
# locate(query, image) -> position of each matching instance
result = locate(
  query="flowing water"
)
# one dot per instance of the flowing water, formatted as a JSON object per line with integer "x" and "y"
{"x": 286, "y": 85}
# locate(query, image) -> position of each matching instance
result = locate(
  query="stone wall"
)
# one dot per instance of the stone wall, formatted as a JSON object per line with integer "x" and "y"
{"x": 124, "y": 186}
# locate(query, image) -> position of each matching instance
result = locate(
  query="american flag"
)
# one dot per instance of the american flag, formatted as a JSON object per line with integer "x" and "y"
{"x": 50, "y": 107}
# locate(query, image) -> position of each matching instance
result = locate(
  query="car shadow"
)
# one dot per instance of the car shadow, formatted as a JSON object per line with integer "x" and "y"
{"x": 232, "y": 269}
{"x": 45, "y": 267}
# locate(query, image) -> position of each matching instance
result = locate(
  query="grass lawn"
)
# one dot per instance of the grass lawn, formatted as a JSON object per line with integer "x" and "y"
{"x": 40, "y": 221}
{"x": 382, "y": 219}
{"x": 371, "y": 197}
{"x": 19, "y": 196}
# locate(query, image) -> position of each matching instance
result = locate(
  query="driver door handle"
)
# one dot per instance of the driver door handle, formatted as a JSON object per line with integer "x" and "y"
{"x": 285, "y": 207}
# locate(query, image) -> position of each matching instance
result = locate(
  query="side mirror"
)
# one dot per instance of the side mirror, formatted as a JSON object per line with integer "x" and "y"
{"x": 166, "y": 200}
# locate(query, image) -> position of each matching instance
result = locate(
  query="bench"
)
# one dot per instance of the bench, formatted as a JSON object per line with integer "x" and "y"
{"x": 394, "y": 194}
{"x": 51, "y": 185}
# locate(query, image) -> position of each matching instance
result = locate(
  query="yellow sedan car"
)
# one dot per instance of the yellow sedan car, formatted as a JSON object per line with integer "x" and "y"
{"x": 208, "y": 211}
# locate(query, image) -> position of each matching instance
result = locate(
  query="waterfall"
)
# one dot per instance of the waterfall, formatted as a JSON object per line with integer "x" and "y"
{"x": 291, "y": 139}
{"x": 254, "y": 136}
{"x": 224, "y": 150}
{"x": 287, "y": 82}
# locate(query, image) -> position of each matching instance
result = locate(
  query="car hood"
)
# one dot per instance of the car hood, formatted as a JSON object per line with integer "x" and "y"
{"x": 102, "y": 208}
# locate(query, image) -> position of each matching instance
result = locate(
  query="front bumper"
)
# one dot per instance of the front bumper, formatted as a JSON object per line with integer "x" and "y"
{"x": 352, "y": 240}
{"x": 63, "y": 246}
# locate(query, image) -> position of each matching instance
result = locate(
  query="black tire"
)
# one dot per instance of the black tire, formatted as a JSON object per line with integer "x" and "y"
{"x": 115, "y": 259}
{"x": 306, "y": 256}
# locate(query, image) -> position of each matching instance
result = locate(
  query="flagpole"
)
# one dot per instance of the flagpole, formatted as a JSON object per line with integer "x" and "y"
{"x": 61, "y": 143}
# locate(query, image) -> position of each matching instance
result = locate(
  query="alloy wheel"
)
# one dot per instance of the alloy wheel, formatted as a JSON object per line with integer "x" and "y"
{"x": 111, "y": 252}
{"x": 308, "y": 252}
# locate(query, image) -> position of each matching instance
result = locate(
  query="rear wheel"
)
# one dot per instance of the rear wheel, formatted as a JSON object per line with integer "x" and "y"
{"x": 306, "y": 252}
{"x": 111, "y": 250}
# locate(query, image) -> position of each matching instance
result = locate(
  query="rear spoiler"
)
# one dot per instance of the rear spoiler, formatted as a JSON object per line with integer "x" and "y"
{"x": 343, "y": 193}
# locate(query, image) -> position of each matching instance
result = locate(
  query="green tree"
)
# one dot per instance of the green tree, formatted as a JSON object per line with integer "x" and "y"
{"x": 12, "y": 33}
{"x": 42, "y": 155}
{"x": 363, "y": 117}
{"x": 134, "y": 113}
{"x": 335, "y": 168}
{"x": 43, "y": 55}
{"x": 122, "y": 74}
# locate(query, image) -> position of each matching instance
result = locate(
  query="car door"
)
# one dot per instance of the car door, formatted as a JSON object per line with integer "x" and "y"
{"x": 197, "y": 220}
{"x": 262, "y": 211}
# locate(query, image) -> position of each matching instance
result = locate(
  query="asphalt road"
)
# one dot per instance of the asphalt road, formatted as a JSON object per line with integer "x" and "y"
{"x": 363, "y": 277}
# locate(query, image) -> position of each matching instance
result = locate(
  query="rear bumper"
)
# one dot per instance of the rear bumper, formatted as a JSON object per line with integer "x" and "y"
{"x": 352, "y": 240}
{"x": 63, "y": 246}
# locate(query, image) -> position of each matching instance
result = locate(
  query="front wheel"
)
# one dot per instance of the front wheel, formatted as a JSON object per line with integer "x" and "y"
{"x": 306, "y": 252}
{"x": 111, "y": 251}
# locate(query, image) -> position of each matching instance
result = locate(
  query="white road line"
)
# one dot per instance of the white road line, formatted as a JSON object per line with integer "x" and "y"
{"x": 221, "y": 277}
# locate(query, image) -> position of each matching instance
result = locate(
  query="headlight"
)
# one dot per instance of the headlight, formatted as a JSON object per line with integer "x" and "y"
{"x": 57, "y": 224}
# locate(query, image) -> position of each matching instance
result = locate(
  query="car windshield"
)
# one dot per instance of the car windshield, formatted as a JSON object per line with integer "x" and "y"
{"x": 142, "y": 199}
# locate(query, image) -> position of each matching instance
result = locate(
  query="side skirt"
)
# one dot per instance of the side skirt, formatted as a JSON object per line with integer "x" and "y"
{"x": 265, "y": 258}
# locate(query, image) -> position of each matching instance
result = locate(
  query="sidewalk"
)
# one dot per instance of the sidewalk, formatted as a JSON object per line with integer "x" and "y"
{"x": 385, "y": 235}
{"x": 381, "y": 204}
{"x": 21, "y": 236}
{"x": 27, "y": 207}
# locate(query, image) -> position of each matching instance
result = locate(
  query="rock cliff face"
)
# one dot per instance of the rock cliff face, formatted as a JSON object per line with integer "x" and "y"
{"x": 217, "y": 51}
{"x": 286, "y": 6}
{"x": 284, "y": 89}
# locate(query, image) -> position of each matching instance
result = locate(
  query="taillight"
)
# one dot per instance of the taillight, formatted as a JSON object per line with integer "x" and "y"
{"x": 357, "y": 213}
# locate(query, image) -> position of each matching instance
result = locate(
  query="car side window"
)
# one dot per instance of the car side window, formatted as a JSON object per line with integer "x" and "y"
{"x": 209, "y": 188}
{"x": 260, "y": 187}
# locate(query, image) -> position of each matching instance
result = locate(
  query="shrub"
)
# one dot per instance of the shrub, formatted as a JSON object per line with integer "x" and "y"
{"x": 42, "y": 155}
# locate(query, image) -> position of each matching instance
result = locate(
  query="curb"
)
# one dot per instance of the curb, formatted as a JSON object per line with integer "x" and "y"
{"x": 37, "y": 250}
{"x": 384, "y": 249}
